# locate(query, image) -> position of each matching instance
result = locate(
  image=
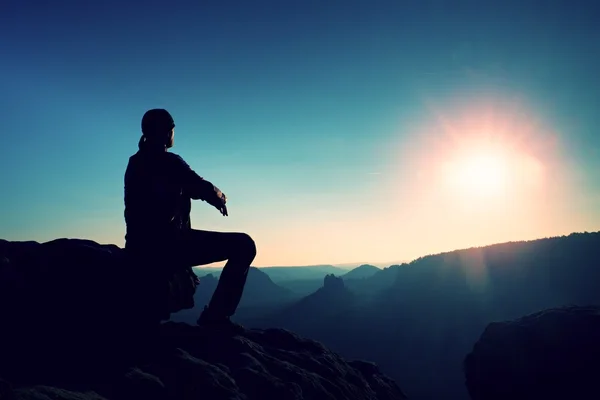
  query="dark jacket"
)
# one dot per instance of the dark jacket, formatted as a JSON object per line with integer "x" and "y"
{"x": 159, "y": 187}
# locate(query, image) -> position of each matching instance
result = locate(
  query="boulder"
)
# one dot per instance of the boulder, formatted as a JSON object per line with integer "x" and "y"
{"x": 67, "y": 291}
{"x": 552, "y": 354}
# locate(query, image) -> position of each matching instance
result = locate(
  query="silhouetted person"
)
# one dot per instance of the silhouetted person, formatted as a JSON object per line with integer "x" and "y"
{"x": 159, "y": 187}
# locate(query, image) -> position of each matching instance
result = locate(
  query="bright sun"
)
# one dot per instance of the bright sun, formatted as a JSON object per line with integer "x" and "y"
{"x": 488, "y": 157}
{"x": 483, "y": 174}
{"x": 478, "y": 174}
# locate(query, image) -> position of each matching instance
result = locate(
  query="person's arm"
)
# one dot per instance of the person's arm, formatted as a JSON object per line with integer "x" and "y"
{"x": 199, "y": 188}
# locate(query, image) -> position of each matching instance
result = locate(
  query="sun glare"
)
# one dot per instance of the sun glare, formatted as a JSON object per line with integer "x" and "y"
{"x": 487, "y": 157}
{"x": 479, "y": 175}
{"x": 477, "y": 169}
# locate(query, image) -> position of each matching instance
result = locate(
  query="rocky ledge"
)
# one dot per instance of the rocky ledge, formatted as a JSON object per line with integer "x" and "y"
{"x": 76, "y": 325}
{"x": 187, "y": 362}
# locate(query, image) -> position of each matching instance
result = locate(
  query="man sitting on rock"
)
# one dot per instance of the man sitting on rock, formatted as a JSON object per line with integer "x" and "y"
{"x": 159, "y": 186}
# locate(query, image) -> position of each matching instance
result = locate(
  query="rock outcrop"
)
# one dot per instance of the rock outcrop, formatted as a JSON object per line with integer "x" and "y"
{"x": 187, "y": 362}
{"x": 80, "y": 321}
{"x": 553, "y": 354}
{"x": 69, "y": 276}
{"x": 332, "y": 282}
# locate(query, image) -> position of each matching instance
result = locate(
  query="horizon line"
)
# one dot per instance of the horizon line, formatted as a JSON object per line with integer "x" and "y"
{"x": 357, "y": 264}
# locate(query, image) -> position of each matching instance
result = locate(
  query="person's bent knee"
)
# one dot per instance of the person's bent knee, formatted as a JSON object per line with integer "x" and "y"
{"x": 246, "y": 244}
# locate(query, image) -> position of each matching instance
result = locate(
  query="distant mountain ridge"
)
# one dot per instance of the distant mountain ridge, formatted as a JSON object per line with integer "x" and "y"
{"x": 432, "y": 310}
{"x": 361, "y": 272}
{"x": 379, "y": 281}
{"x": 279, "y": 273}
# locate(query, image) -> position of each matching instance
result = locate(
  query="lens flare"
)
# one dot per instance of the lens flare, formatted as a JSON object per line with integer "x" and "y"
{"x": 481, "y": 170}
{"x": 478, "y": 174}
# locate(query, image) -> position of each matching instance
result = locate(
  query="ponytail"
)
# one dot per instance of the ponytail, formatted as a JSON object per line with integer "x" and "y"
{"x": 148, "y": 143}
{"x": 142, "y": 142}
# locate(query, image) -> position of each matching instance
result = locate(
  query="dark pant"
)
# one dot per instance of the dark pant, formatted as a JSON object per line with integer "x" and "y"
{"x": 197, "y": 247}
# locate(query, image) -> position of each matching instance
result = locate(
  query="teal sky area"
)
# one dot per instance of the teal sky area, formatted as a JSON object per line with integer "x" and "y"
{"x": 340, "y": 131}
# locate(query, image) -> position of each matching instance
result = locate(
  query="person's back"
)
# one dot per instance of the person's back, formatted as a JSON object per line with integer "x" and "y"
{"x": 159, "y": 187}
{"x": 156, "y": 205}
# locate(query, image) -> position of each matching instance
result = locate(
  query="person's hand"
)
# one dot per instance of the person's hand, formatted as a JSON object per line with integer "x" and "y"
{"x": 222, "y": 207}
{"x": 223, "y": 210}
{"x": 219, "y": 203}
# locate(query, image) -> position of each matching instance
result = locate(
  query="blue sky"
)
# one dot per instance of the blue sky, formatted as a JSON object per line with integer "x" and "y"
{"x": 302, "y": 112}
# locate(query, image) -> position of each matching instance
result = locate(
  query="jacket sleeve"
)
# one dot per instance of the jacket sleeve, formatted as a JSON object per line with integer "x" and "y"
{"x": 194, "y": 185}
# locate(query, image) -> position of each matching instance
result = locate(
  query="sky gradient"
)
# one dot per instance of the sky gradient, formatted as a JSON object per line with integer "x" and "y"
{"x": 338, "y": 130}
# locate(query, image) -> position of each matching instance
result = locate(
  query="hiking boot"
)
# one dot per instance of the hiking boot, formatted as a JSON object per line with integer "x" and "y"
{"x": 209, "y": 319}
